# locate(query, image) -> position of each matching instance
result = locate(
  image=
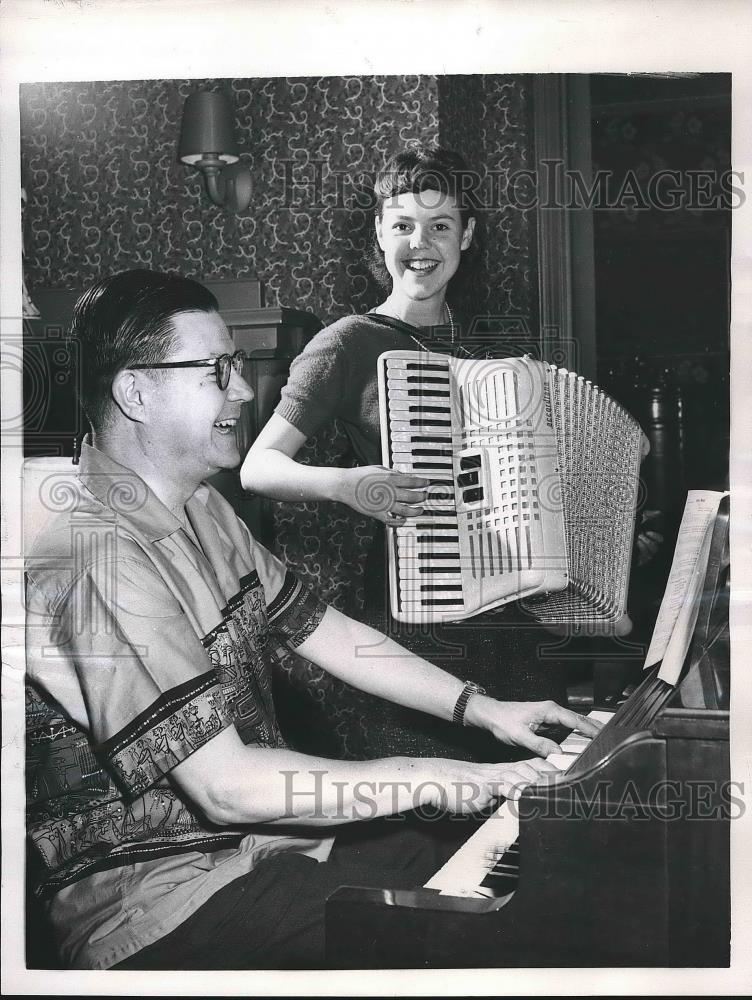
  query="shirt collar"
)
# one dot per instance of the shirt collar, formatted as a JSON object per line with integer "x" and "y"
{"x": 125, "y": 493}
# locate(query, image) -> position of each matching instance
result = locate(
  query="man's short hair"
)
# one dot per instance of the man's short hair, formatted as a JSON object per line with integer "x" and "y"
{"x": 126, "y": 319}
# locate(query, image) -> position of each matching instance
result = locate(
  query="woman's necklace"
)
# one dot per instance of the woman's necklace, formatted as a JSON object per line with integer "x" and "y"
{"x": 451, "y": 322}
{"x": 421, "y": 344}
{"x": 459, "y": 350}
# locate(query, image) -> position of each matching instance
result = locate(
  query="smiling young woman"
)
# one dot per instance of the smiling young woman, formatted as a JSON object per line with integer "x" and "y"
{"x": 422, "y": 237}
{"x": 422, "y": 249}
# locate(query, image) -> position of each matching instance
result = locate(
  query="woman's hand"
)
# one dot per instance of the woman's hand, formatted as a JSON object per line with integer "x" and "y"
{"x": 381, "y": 493}
{"x": 648, "y": 540}
{"x": 517, "y": 721}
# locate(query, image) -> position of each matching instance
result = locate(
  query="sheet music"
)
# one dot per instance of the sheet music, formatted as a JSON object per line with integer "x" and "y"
{"x": 680, "y": 606}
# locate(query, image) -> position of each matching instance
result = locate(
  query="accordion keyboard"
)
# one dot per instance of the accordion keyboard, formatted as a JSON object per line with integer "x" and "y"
{"x": 420, "y": 436}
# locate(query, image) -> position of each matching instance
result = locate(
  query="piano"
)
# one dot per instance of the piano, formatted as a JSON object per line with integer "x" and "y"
{"x": 623, "y": 860}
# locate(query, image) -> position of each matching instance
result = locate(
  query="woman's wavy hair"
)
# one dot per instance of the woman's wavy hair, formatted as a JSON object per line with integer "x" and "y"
{"x": 412, "y": 171}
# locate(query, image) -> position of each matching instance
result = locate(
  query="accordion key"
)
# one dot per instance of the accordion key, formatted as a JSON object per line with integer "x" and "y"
{"x": 534, "y": 477}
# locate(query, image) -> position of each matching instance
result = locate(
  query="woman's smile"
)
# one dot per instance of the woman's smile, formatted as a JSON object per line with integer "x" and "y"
{"x": 421, "y": 265}
{"x": 422, "y": 237}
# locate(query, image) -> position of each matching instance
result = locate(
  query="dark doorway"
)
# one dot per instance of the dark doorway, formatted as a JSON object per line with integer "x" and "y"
{"x": 662, "y": 242}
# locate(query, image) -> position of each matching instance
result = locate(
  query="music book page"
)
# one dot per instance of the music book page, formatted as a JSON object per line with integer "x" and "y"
{"x": 680, "y": 606}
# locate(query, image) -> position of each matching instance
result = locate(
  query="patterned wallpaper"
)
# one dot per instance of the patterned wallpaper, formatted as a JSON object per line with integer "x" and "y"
{"x": 489, "y": 118}
{"x": 106, "y": 192}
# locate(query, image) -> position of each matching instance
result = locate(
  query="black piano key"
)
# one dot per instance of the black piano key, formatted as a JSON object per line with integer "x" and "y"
{"x": 553, "y": 731}
{"x": 502, "y": 878}
{"x": 436, "y": 555}
{"x": 417, "y": 366}
{"x": 433, "y": 393}
{"x": 443, "y": 539}
{"x": 429, "y": 587}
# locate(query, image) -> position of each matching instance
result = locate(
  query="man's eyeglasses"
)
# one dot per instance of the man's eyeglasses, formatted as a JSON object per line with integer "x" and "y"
{"x": 222, "y": 366}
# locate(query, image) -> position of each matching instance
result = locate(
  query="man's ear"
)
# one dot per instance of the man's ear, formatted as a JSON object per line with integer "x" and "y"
{"x": 128, "y": 394}
{"x": 467, "y": 236}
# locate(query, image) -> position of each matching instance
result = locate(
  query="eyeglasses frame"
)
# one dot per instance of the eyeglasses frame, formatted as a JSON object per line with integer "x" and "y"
{"x": 238, "y": 356}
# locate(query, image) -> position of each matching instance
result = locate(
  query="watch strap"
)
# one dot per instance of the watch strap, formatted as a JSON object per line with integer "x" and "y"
{"x": 470, "y": 688}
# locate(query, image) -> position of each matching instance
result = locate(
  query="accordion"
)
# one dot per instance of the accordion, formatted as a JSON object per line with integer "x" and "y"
{"x": 534, "y": 476}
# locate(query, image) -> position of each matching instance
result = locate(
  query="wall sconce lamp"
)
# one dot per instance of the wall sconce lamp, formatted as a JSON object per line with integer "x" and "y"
{"x": 207, "y": 141}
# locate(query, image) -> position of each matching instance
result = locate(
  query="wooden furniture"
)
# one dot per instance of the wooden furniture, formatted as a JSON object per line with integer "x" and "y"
{"x": 625, "y": 859}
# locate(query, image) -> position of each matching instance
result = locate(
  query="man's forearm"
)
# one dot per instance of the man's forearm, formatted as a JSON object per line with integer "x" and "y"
{"x": 237, "y": 784}
{"x": 371, "y": 661}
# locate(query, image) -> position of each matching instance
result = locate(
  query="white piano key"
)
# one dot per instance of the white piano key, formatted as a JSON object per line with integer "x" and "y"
{"x": 562, "y": 760}
{"x": 416, "y": 596}
{"x": 600, "y": 716}
{"x": 427, "y": 395}
{"x": 449, "y": 603}
{"x": 412, "y": 447}
{"x": 401, "y": 425}
{"x": 415, "y": 438}
{"x": 440, "y": 407}
{"x": 413, "y": 579}
{"x": 466, "y": 869}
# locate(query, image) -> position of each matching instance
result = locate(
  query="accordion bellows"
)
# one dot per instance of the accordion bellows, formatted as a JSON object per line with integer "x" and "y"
{"x": 535, "y": 476}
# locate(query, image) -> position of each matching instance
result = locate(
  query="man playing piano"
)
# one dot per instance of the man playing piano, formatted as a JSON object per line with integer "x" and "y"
{"x": 170, "y": 825}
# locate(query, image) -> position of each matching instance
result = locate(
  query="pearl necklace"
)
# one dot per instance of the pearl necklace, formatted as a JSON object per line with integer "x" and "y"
{"x": 451, "y": 321}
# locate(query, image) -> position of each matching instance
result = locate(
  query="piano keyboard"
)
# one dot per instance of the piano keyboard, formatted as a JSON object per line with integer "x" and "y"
{"x": 488, "y": 862}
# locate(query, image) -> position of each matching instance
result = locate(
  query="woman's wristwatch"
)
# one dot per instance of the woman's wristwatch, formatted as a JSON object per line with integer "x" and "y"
{"x": 470, "y": 688}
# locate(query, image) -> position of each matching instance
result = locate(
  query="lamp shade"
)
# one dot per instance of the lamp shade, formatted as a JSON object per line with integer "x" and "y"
{"x": 207, "y": 127}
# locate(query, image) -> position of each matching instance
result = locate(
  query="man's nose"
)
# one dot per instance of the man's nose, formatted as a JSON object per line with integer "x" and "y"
{"x": 238, "y": 388}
